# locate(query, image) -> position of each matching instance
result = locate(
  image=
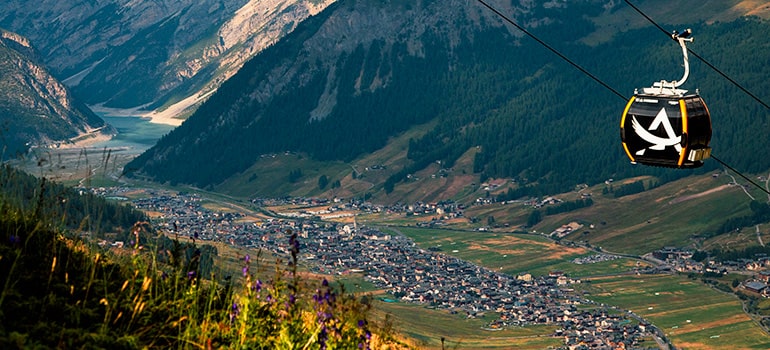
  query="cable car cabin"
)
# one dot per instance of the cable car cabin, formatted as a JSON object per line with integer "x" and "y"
{"x": 666, "y": 130}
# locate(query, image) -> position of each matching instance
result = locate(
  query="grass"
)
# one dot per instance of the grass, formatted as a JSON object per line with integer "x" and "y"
{"x": 670, "y": 215}
{"x": 513, "y": 253}
{"x": 427, "y": 327}
{"x": 60, "y": 291}
{"x": 690, "y": 313}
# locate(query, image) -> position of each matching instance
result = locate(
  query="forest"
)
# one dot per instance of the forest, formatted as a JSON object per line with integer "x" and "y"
{"x": 533, "y": 116}
{"x": 64, "y": 207}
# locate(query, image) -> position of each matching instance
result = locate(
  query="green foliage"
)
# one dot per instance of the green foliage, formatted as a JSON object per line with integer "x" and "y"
{"x": 323, "y": 181}
{"x": 569, "y": 206}
{"x": 734, "y": 255}
{"x": 295, "y": 175}
{"x": 534, "y": 218}
{"x": 628, "y": 189}
{"x": 65, "y": 207}
{"x": 699, "y": 255}
{"x": 58, "y": 291}
{"x": 760, "y": 212}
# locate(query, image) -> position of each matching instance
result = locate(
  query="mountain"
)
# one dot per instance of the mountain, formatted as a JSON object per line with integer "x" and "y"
{"x": 351, "y": 79}
{"x": 151, "y": 54}
{"x": 35, "y": 108}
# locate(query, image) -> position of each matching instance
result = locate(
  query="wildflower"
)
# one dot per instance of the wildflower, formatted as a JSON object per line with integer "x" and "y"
{"x": 257, "y": 286}
{"x": 191, "y": 274}
{"x": 247, "y": 258}
{"x": 234, "y": 313}
{"x": 322, "y": 337}
{"x": 325, "y": 283}
{"x": 15, "y": 239}
{"x": 245, "y": 271}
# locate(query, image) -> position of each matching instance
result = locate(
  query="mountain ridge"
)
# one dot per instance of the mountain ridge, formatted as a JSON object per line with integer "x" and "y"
{"x": 332, "y": 95}
{"x": 38, "y": 110}
{"x": 183, "y": 48}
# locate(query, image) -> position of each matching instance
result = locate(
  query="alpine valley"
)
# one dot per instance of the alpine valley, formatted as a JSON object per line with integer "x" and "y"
{"x": 435, "y": 130}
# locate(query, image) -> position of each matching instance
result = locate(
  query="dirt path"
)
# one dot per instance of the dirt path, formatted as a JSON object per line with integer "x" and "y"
{"x": 698, "y": 195}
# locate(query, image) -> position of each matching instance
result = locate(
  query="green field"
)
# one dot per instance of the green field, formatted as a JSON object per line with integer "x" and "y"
{"x": 668, "y": 215}
{"x": 426, "y": 327}
{"x": 512, "y": 253}
{"x": 690, "y": 313}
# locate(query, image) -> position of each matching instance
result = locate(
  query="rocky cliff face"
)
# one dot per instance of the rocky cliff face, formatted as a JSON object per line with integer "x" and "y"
{"x": 35, "y": 108}
{"x": 177, "y": 48}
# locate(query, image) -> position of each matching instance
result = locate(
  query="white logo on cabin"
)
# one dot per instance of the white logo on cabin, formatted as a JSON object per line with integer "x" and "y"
{"x": 658, "y": 143}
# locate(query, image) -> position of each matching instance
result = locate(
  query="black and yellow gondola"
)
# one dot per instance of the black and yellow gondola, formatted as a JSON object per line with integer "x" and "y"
{"x": 664, "y": 125}
{"x": 665, "y": 130}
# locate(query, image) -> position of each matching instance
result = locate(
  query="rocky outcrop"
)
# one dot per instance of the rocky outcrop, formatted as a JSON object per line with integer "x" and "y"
{"x": 35, "y": 108}
{"x": 179, "y": 48}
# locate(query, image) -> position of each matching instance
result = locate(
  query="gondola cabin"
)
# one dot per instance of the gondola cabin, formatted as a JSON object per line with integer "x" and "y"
{"x": 665, "y": 126}
{"x": 666, "y": 130}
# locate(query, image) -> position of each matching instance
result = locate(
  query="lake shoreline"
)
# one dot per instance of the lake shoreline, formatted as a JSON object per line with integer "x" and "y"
{"x": 137, "y": 112}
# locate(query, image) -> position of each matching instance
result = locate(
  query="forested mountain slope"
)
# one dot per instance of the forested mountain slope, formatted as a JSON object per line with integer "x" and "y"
{"x": 35, "y": 108}
{"x": 361, "y": 72}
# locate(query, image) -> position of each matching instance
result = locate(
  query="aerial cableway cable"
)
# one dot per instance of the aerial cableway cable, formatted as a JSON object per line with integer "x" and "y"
{"x": 549, "y": 47}
{"x": 731, "y": 80}
{"x": 608, "y": 87}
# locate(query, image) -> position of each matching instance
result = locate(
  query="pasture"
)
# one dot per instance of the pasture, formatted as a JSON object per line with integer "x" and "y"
{"x": 426, "y": 327}
{"x": 512, "y": 253}
{"x": 691, "y": 314}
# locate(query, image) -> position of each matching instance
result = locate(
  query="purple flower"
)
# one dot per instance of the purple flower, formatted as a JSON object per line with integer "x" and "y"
{"x": 191, "y": 274}
{"x": 245, "y": 271}
{"x": 325, "y": 283}
{"x": 234, "y": 313}
{"x": 361, "y": 323}
{"x": 257, "y": 286}
{"x": 247, "y": 258}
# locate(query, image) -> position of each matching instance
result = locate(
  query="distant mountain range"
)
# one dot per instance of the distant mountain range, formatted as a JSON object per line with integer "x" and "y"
{"x": 352, "y": 79}
{"x": 151, "y": 54}
{"x": 35, "y": 108}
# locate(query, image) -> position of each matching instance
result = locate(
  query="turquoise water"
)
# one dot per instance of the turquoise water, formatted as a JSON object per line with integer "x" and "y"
{"x": 134, "y": 133}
